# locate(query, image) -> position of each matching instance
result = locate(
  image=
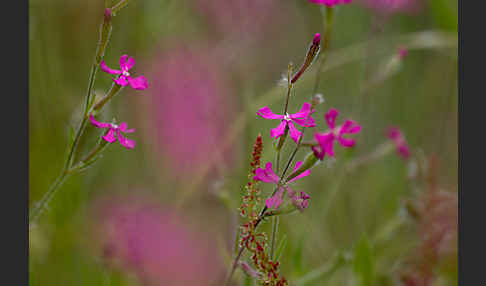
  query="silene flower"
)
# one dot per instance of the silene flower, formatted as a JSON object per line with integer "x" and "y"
{"x": 114, "y": 128}
{"x": 267, "y": 175}
{"x": 126, "y": 63}
{"x": 303, "y": 118}
{"x": 397, "y": 137}
{"x": 330, "y": 3}
{"x": 326, "y": 140}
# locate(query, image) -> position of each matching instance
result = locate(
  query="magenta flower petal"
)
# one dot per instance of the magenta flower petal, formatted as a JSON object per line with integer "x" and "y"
{"x": 121, "y": 80}
{"x": 331, "y": 117}
{"x": 123, "y": 128}
{"x": 349, "y": 127}
{"x": 303, "y": 117}
{"x": 110, "y": 136}
{"x": 330, "y": 3}
{"x": 326, "y": 141}
{"x": 294, "y": 133}
{"x": 345, "y": 142}
{"x": 267, "y": 113}
{"x": 98, "y": 124}
{"x": 126, "y": 62}
{"x": 105, "y": 68}
{"x": 138, "y": 83}
{"x": 127, "y": 143}
{"x": 276, "y": 200}
{"x": 303, "y": 174}
{"x": 279, "y": 130}
{"x": 303, "y": 112}
{"x": 318, "y": 152}
{"x": 266, "y": 175}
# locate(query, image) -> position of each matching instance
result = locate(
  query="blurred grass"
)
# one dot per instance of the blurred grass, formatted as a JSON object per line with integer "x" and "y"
{"x": 421, "y": 98}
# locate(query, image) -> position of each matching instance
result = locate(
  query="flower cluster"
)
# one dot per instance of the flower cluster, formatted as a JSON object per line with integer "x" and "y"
{"x": 267, "y": 270}
{"x": 124, "y": 78}
{"x": 324, "y": 145}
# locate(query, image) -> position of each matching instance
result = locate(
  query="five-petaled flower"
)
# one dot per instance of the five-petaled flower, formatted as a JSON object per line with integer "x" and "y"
{"x": 267, "y": 175}
{"x": 326, "y": 140}
{"x": 303, "y": 118}
{"x": 330, "y": 3}
{"x": 126, "y": 63}
{"x": 113, "y": 128}
{"x": 396, "y": 135}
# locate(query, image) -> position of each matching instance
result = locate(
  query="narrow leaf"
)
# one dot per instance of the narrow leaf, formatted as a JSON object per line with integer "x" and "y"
{"x": 363, "y": 261}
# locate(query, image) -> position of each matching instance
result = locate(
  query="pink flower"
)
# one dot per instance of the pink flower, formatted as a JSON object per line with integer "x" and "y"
{"x": 155, "y": 242}
{"x": 188, "y": 112}
{"x": 288, "y": 120}
{"x": 402, "y": 52}
{"x": 267, "y": 175}
{"x": 330, "y": 3}
{"x": 113, "y": 128}
{"x": 300, "y": 201}
{"x": 326, "y": 139}
{"x": 396, "y": 135}
{"x": 125, "y": 78}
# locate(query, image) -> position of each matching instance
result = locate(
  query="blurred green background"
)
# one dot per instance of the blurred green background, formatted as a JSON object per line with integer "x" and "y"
{"x": 242, "y": 50}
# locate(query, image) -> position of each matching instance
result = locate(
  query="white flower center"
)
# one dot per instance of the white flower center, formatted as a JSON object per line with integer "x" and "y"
{"x": 287, "y": 117}
{"x": 125, "y": 73}
{"x": 114, "y": 126}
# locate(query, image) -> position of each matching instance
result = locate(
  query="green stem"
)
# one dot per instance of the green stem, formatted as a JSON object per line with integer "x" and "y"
{"x": 115, "y": 88}
{"x": 105, "y": 32}
{"x": 275, "y": 221}
{"x": 43, "y": 203}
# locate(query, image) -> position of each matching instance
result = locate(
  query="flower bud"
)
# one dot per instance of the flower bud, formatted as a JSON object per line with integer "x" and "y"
{"x": 310, "y": 56}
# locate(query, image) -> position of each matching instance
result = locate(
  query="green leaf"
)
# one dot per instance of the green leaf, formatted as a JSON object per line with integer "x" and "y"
{"x": 363, "y": 261}
{"x": 281, "y": 247}
{"x": 297, "y": 258}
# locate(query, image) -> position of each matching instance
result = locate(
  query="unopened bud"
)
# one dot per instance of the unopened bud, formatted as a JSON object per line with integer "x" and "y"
{"x": 107, "y": 15}
{"x": 310, "y": 161}
{"x": 310, "y": 56}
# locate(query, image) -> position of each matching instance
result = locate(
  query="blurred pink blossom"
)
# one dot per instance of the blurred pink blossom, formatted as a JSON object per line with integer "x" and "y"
{"x": 396, "y": 135}
{"x": 189, "y": 111}
{"x": 388, "y": 7}
{"x": 330, "y": 3}
{"x": 154, "y": 243}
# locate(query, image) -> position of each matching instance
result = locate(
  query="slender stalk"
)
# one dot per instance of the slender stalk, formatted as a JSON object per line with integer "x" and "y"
{"x": 275, "y": 221}
{"x": 233, "y": 267}
{"x": 105, "y": 33}
{"x": 42, "y": 204}
{"x": 115, "y": 88}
